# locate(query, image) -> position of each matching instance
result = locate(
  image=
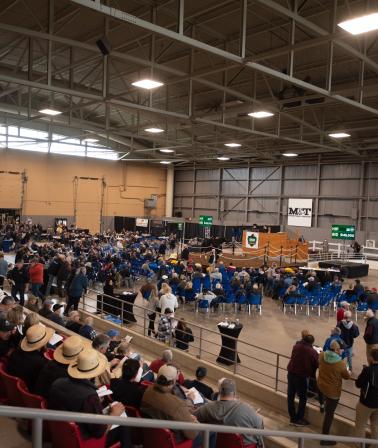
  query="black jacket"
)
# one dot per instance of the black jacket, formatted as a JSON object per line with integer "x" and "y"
{"x": 127, "y": 392}
{"x": 183, "y": 338}
{"x": 50, "y": 372}
{"x": 371, "y": 331}
{"x": 368, "y": 383}
{"x": 26, "y": 365}
{"x": 203, "y": 388}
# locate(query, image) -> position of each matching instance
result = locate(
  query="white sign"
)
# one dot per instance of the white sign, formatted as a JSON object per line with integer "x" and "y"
{"x": 141, "y": 222}
{"x": 299, "y": 212}
{"x": 252, "y": 240}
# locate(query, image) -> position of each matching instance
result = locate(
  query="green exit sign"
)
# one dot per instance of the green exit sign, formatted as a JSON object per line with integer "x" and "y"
{"x": 206, "y": 220}
{"x": 343, "y": 232}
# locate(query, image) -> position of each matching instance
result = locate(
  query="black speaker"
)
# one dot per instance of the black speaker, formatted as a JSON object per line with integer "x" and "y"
{"x": 104, "y": 45}
{"x": 178, "y": 214}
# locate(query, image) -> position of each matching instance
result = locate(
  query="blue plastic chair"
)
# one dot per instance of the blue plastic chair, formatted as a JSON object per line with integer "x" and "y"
{"x": 254, "y": 299}
{"x": 206, "y": 282}
{"x": 197, "y": 284}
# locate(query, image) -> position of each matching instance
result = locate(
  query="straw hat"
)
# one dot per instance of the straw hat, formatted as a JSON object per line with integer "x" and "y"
{"x": 89, "y": 364}
{"x": 37, "y": 336}
{"x": 70, "y": 349}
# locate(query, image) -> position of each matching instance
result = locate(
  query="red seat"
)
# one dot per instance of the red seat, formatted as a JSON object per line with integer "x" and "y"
{"x": 146, "y": 384}
{"x": 225, "y": 440}
{"x": 67, "y": 434}
{"x": 162, "y": 438}
{"x": 136, "y": 433}
{"x": 49, "y": 354}
{"x": 13, "y": 394}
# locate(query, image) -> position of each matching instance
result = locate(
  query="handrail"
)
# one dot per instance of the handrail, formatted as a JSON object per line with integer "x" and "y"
{"x": 274, "y": 375}
{"x": 52, "y": 415}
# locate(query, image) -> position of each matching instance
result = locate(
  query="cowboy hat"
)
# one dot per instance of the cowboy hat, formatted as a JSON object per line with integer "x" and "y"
{"x": 89, "y": 364}
{"x": 37, "y": 336}
{"x": 70, "y": 349}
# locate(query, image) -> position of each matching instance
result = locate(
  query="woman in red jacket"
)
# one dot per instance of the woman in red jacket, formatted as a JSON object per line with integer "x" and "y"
{"x": 36, "y": 277}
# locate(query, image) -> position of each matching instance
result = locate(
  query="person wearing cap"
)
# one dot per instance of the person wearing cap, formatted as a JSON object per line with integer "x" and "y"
{"x": 198, "y": 383}
{"x": 114, "y": 340}
{"x": 371, "y": 332}
{"x": 56, "y": 315}
{"x": 158, "y": 402}
{"x": 332, "y": 371}
{"x": 127, "y": 389}
{"x": 7, "y": 342}
{"x": 28, "y": 360}
{"x": 66, "y": 353}
{"x": 230, "y": 411}
{"x": 349, "y": 332}
{"x": 77, "y": 393}
{"x": 73, "y": 322}
{"x": 335, "y": 336}
{"x": 344, "y": 306}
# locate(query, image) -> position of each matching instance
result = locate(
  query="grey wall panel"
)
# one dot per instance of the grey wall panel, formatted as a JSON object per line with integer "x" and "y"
{"x": 203, "y": 187}
{"x": 240, "y": 174}
{"x": 299, "y": 188}
{"x": 233, "y": 187}
{"x": 205, "y": 203}
{"x": 206, "y": 212}
{"x": 341, "y": 170}
{"x": 182, "y": 202}
{"x": 183, "y": 188}
{"x": 261, "y": 218}
{"x": 263, "y": 205}
{"x": 207, "y": 175}
{"x": 340, "y": 187}
{"x": 184, "y": 175}
{"x": 269, "y": 187}
{"x": 301, "y": 171}
{"x": 260, "y": 173}
{"x": 235, "y": 204}
{"x": 337, "y": 207}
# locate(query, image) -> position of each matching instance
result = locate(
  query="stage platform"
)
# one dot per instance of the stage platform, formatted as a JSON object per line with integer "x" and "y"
{"x": 347, "y": 269}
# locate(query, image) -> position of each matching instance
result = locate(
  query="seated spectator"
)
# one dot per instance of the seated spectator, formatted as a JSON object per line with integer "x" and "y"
{"x": 16, "y": 317}
{"x": 158, "y": 402}
{"x": 78, "y": 393}
{"x": 207, "y": 295}
{"x": 46, "y": 310}
{"x": 114, "y": 339}
{"x": 123, "y": 349}
{"x": 198, "y": 383}
{"x": 165, "y": 327}
{"x": 350, "y": 291}
{"x": 65, "y": 354}
{"x": 127, "y": 389}
{"x": 33, "y": 303}
{"x": 166, "y": 358}
{"x": 231, "y": 412}
{"x": 7, "y": 342}
{"x": 30, "y": 320}
{"x": 87, "y": 329}
{"x": 27, "y": 361}
{"x": 183, "y": 335}
{"x": 358, "y": 288}
{"x": 344, "y": 306}
{"x": 56, "y": 315}
{"x": 335, "y": 336}
{"x": 73, "y": 323}
{"x": 7, "y": 303}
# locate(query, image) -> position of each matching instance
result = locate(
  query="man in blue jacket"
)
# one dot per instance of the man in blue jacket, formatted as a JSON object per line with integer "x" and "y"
{"x": 76, "y": 289}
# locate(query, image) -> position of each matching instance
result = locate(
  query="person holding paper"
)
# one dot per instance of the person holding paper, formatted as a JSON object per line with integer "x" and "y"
{"x": 28, "y": 360}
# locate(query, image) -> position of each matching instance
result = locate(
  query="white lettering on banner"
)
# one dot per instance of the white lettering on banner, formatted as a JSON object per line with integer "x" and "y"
{"x": 299, "y": 212}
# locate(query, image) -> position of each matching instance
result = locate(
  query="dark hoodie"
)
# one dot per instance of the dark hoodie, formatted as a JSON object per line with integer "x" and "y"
{"x": 368, "y": 383}
{"x": 349, "y": 331}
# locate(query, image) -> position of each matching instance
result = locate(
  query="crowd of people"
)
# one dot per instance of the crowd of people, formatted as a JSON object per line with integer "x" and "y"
{"x": 70, "y": 262}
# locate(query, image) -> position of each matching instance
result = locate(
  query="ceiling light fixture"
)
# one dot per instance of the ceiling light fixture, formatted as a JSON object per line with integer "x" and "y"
{"x": 260, "y": 114}
{"x": 90, "y": 140}
{"x": 165, "y": 162}
{"x": 360, "y": 25}
{"x": 232, "y": 145}
{"x": 223, "y": 158}
{"x": 290, "y": 154}
{"x": 51, "y": 112}
{"x": 339, "y": 135}
{"x": 147, "y": 84}
{"x": 166, "y": 150}
{"x": 154, "y": 130}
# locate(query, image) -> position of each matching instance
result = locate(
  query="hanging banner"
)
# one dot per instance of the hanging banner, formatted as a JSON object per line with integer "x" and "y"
{"x": 141, "y": 222}
{"x": 252, "y": 240}
{"x": 299, "y": 212}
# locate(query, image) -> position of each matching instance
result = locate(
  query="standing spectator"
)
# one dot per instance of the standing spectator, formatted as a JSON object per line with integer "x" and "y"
{"x": 344, "y": 306}
{"x": 349, "y": 332}
{"x": 167, "y": 300}
{"x": 371, "y": 332}
{"x": 3, "y": 269}
{"x": 358, "y": 288}
{"x": 78, "y": 286}
{"x": 332, "y": 370}
{"x": 62, "y": 276}
{"x": 183, "y": 335}
{"x": 52, "y": 272}
{"x": 367, "y": 407}
{"x": 335, "y": 336}
{"x": 151, "y": 302}
{"x": 165, "y": 327}
{"x": 36, "y": 277}
{"x": 19, "y": 279}
{"x": 302, "y": 366}
{"x": 87, "y": 330}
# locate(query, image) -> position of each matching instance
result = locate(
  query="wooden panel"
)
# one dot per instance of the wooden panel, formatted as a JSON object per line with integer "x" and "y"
{"x": 88, "y": 205}
{"x": 10, "y": 190}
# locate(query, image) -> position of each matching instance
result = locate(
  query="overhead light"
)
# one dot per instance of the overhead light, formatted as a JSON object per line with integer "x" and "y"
{"x": 232, "y": 145}
{"x": 260, "y": 114}
{"x": 223, "y": 158}
{"x": 339, "y": 135}
{"x": 165, "y": 162}
{"x": 166, "y": 150}
{"x": 51, "y": 112}
{"x": 360, "y": 25}
{"x": 147, "y": 84}
{"x": 90, "y": 140}
{"x": 290, "y": 154}
{"x": 154, "y": 130}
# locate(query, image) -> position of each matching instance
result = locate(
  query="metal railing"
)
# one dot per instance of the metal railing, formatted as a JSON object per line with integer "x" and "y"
{"x": 261, "y": 365}
{"x": 40, "y": 415}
